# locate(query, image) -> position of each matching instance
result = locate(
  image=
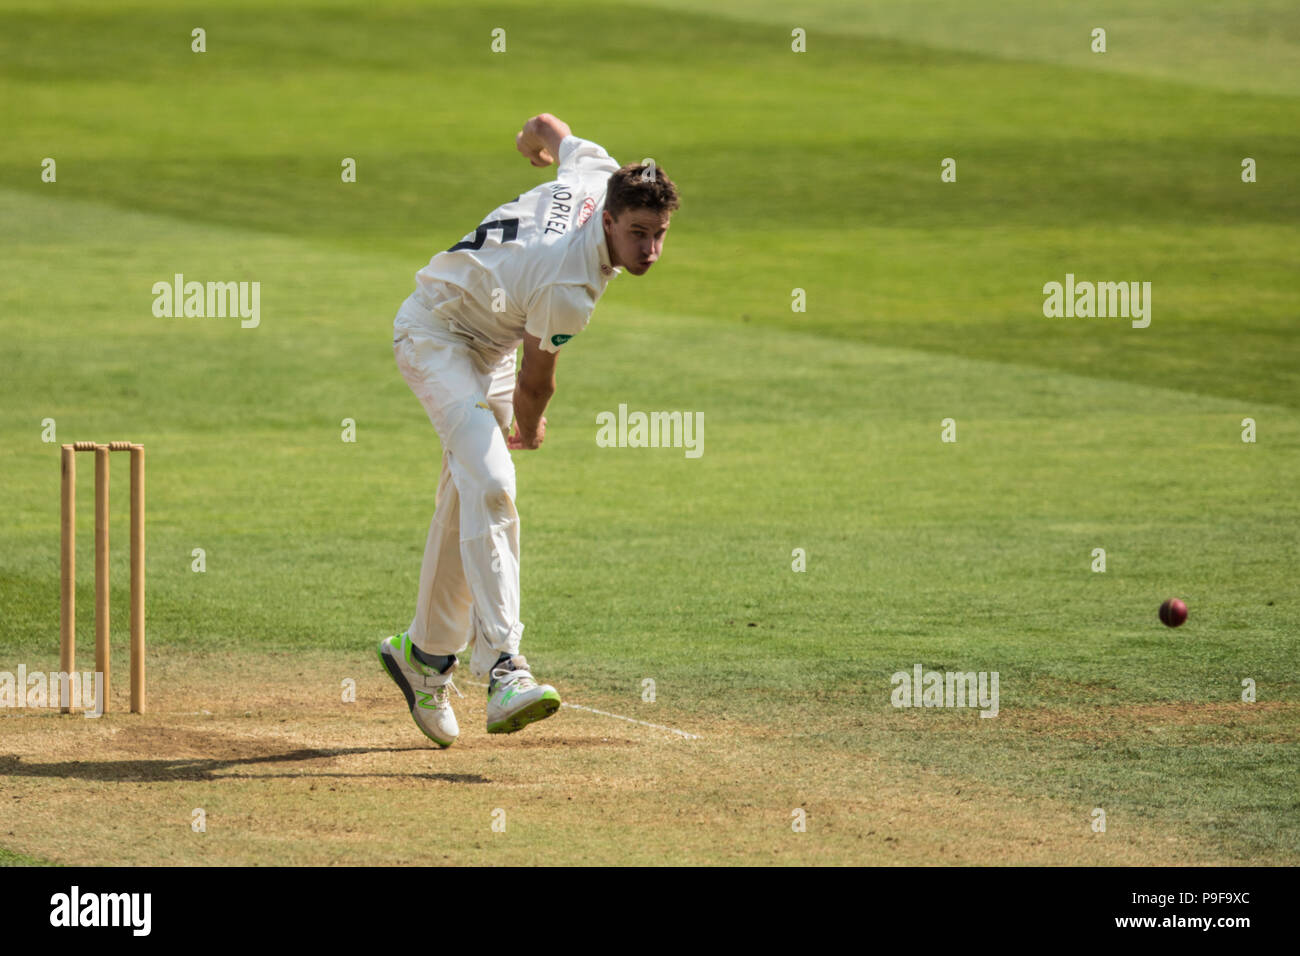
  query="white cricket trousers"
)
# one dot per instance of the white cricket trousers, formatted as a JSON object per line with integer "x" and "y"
{"x": 469, "y": 579}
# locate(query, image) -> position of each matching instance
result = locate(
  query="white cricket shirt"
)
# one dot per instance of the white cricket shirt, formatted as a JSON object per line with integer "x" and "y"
{"x": 537, "y": 264}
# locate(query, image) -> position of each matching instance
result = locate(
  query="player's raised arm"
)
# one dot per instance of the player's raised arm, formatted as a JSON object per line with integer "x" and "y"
{"x": 540, "y": 139}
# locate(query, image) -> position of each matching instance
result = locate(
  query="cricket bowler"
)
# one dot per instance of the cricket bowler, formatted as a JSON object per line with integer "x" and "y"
{"x": 530, "y": 274}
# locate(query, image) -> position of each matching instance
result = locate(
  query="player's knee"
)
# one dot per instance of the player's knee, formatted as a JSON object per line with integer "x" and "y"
{"x": 498, "y": 490}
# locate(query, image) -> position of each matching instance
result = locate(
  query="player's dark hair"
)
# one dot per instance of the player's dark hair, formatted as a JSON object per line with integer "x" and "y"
{"x": 640, "y": 186}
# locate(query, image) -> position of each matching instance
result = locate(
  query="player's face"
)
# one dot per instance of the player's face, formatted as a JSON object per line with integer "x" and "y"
{"x": 636, "y": 239}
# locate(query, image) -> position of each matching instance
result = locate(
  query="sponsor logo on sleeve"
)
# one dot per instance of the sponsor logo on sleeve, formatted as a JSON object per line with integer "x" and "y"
{"x": 558, "y": 340}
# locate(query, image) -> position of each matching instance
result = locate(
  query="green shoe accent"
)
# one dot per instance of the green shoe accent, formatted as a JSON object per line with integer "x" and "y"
{"x": 444, "y": 744}
{"x": 539, "y": 709}
{"x": 424, "y": 698}
{"x": 508, "y": 695}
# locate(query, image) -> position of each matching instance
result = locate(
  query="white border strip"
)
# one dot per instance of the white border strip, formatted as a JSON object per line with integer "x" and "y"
{"x": 603, "y": 713}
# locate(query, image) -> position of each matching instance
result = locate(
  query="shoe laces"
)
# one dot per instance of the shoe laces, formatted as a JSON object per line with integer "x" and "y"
{"x": 520, "y": 676}
{"x": 439, "y": 693}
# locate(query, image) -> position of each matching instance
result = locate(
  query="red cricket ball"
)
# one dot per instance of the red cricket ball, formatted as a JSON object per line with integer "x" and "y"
{"x": 1173, "y": 612}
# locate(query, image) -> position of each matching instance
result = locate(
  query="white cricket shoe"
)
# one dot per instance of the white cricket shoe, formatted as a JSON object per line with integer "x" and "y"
{"x": 515, "y": 699}
{"x": 424, "y": 686}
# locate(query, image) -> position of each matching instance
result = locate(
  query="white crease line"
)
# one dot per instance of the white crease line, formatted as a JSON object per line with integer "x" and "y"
{"x": 603, "y": 713}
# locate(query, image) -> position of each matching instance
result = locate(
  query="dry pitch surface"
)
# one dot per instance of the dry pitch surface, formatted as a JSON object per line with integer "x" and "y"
{"x": 287, "y": 773}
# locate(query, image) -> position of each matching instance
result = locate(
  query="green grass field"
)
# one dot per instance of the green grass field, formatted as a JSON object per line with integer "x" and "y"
{"x": 818, "y": 171}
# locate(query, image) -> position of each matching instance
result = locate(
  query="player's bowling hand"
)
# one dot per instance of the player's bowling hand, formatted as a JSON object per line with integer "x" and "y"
{"x": 531, "y": 145}
{"x": 518, "y": 442}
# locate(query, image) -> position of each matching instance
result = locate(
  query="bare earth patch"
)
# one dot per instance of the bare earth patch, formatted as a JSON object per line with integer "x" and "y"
{"x": 286, "y": 772}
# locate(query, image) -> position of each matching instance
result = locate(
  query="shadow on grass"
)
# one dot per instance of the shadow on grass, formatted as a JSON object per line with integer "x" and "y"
{"x": 202, "y": 769}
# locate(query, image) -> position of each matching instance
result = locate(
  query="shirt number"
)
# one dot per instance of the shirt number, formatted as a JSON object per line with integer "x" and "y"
{"x": 509, "y": 230}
